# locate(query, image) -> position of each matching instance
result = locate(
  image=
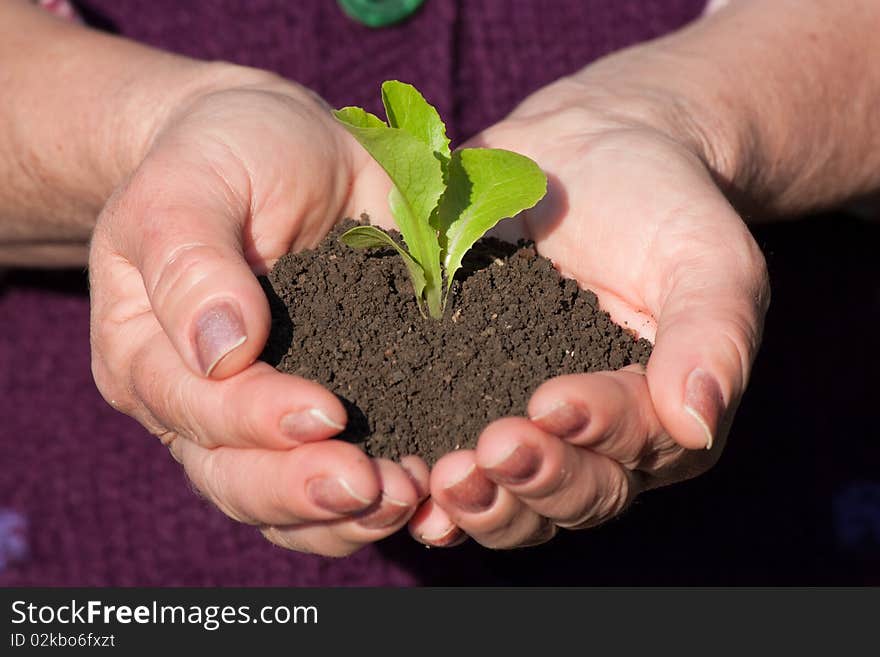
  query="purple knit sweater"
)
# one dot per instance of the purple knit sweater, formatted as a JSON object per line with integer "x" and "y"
{"x": 87, "y": 497}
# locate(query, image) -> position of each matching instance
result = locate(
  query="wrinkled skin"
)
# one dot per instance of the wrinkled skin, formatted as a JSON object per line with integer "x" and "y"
{"x": 633, "y": 214}
{"x": 238, "y": 176}
{"x": 235, "y": 179}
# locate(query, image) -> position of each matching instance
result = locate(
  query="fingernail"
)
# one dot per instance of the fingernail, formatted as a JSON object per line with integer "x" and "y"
{"x": 442, "y": 538}
{"x": 389, "y": 513}
{"x": 517, "y": 466}
{"x": 306, "y": 423}
{"x": 563, "y": 420}
{"x": 472, "y": 492}
{"x": 335, "y": 494}
{"x": 704, "y": 402}
{"x": 218, "y": 331}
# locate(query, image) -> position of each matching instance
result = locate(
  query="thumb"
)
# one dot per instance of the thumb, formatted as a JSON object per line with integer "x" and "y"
{"x": 709, "y": 330}
{"x": 181, "y": 223}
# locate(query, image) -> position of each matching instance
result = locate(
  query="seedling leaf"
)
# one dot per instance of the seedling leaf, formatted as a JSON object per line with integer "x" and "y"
{"x": 359, "y": 118}
{"x": 485, "y": 185}
{"x": 408, "y": 110}
{"x": 442, "y": 202}
{"x": 368, "y": 237}
{"x": 418, "y": 184}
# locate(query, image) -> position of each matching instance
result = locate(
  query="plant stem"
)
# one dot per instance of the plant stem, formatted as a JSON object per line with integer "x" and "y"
{"x": 435, "y": 305}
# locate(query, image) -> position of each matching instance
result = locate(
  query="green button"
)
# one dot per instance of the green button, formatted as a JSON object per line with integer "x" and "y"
{"x": 379, "y": 13}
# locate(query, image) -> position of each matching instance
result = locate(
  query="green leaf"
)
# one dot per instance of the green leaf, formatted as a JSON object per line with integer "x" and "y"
{"x": 418, "y": 185}
{"x": 442, "y": 202}
{"x": 408, "y": 110}
{"x": 355, "y": 116}
{"x": 485, "y": 185}
{"x": 432, "y": 277}
{"x": 370, "y": 237}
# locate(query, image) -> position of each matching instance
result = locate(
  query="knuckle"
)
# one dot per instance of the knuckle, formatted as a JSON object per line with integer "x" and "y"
{"x": 115, "y": 330}
{"x": 164, "y": 397}
{"x": 112, "y": 390}
{"x": 556, "y": 485}
{"x": 661, "y": 454}
{"x": 213, "y": 478}
{"x": 119, "y": 394}
{"x": 687, "y": 465}
{"x": 735, "y": 347}
{"x": 110, "y": 353}
{"x": 285, "y": 539}
{"x": 755, "y": 272}
{"x": 545, "y": 532}
{"x": 617, "y": 495}
{"x": 604, "y": 502}
{"x": 239, "y": 413}
{"x": 633, "y": 447}
{"x": 213, "y": 481}
{"x": 169, "y": 439}
{"x": 341, "y": 549}
{"x": 291, "y": 539}
{"x": 529, "y": 534}
{"x": 183, "y": 269}
{"x": 502, "y": 536}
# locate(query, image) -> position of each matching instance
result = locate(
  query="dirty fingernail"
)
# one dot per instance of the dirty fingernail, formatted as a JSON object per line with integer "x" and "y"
{"x": 389, "y": 513}
{"x": 335, "y": 494}
{"x": 517, "y": 466}
{"x": 472, "y": 492}
{"x": 704, "y": 402}
{"x": 563, "y": 420}
{"x": 301, "y": 424}
{"x": 218, "y": 331}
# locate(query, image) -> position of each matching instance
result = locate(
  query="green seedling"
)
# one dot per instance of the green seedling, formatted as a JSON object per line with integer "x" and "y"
{"x": 441, "y": 201}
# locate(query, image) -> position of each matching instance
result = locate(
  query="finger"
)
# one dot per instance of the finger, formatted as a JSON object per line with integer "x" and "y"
{"x": 341, "y": 538}
{"x": 139, "y": 372}
{"x": 396, "y": 505}
{"x": 258, "y": 407}
{"x": 709, "y": 330}
{"x": 488, "y": 513}
{"x": 573, "y": 486}
{"x": 317, "y": 481}
{"x": 610, "y": 412}
{"x": 419, "y": 473}
{"x": 180, "y": 223}
{"x": 432, "y": 526}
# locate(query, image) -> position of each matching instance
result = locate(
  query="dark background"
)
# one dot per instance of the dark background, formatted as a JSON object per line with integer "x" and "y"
{"x": 88, "y": 498}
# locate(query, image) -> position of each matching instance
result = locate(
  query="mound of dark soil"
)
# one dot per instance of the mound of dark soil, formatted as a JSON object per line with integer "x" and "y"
{"x": 348, "y": 319}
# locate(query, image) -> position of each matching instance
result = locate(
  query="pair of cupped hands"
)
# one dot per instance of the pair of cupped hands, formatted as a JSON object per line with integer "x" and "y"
{"x": 253, "y": 167}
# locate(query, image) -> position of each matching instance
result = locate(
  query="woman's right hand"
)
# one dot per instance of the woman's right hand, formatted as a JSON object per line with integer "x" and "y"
{"x": 241, "y": 172}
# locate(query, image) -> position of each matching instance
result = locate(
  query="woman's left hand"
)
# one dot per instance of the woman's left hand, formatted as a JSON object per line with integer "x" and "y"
{"x": 632, "y": 213}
